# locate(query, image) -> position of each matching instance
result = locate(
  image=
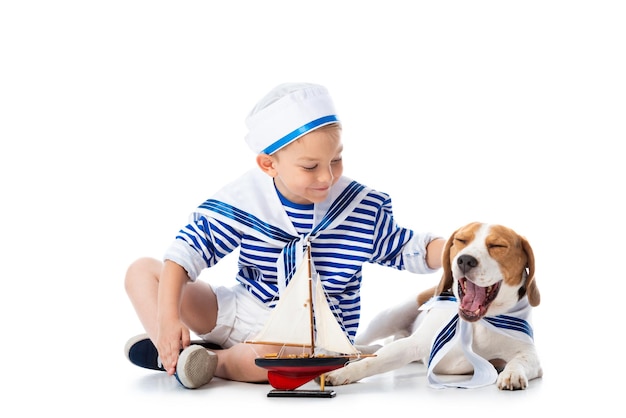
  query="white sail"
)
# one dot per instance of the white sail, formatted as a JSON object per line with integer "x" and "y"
{"x": 330, "y": 336}
{"x": 290, "y": 320}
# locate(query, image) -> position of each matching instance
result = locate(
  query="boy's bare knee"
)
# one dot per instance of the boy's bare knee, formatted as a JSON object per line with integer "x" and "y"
{"x": 140, "y": 270}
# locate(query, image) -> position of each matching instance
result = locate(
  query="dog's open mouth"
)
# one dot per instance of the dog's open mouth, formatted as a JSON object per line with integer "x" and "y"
{"x": 475, "y": 300}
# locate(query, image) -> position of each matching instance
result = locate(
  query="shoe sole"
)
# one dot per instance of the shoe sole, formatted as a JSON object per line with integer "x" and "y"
{"x": 195, "y": 367}
{"x": 141, "y": 352}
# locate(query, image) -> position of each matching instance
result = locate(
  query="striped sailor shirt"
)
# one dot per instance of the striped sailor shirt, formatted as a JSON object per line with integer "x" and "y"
{"x": 366, "y": 233}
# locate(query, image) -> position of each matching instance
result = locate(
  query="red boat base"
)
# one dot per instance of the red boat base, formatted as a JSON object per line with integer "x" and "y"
{"x": 294, "y": 378}
{"x": 290, "y": 374}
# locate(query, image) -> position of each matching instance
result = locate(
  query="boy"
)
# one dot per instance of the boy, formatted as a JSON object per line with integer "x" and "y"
{"x": 297, "y": 194}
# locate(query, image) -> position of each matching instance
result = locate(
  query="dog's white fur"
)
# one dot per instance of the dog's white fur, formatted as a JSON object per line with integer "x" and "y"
{"x": 505, "y": 262}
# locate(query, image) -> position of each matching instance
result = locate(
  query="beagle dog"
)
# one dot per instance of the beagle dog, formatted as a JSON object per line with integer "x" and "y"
{"x": 474, "y": 326}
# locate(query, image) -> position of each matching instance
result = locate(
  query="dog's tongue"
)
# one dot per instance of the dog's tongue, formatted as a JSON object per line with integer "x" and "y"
{"x": 474, "y": 296}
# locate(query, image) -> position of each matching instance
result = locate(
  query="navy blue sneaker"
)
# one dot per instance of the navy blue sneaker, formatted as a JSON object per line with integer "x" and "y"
{"x": 140, "y": 351}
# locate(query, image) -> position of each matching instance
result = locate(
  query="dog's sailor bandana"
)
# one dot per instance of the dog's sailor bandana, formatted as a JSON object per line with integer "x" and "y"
{"x": 514, "y": 324}
{"x": 253, "y": 203}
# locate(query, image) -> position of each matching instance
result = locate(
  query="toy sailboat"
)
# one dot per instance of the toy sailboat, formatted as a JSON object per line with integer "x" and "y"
{"x": 303, "y": 318}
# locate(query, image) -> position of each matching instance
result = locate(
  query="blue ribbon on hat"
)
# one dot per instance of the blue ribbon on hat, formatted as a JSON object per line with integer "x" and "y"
{"x": 297, "y": 133}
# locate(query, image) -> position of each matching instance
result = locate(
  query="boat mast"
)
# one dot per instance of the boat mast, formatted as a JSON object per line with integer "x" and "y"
{"x": 308, "y": 250}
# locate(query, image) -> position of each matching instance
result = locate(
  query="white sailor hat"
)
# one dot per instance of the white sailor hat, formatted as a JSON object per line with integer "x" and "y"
{"x": 286, "y": 113}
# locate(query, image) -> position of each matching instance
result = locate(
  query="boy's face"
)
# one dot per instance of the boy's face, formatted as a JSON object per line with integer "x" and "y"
{"x": 305, "y": 170}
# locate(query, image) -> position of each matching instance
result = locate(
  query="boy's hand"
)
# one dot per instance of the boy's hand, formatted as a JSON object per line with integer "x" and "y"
{"x": 170, "y": 341}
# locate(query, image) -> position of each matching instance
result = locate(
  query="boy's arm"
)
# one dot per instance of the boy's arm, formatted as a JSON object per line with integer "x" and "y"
{"x": 171, "y": 332}
{"x": 434, "y": 249}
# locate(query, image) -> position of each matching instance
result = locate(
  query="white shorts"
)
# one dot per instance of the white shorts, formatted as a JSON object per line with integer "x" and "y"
{"x": 240, "y": 316}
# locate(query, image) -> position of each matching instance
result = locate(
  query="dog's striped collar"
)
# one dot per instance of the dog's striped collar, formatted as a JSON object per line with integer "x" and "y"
{"x": 435, "y": 300}
{"x": 514, "y": 324}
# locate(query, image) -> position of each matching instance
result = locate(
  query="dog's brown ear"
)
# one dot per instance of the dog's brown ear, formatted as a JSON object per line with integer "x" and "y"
{"x": 446, "y": 279}
{"x": 425, "y": 295}
{"x": 531, "y": 285}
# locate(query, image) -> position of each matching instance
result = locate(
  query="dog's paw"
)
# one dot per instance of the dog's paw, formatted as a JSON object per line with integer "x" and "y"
{"x": 512, "y": 378}
{"x": 339, "y": 377}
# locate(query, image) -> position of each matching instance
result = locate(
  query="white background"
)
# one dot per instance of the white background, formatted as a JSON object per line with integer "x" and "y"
{"x": 117, "y": 118}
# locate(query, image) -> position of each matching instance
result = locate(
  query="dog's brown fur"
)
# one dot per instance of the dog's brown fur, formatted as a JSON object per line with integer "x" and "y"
{"x": 503, "y": 264}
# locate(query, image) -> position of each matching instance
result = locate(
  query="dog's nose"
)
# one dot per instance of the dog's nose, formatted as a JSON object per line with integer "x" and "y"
{"x": 466, "y": 262}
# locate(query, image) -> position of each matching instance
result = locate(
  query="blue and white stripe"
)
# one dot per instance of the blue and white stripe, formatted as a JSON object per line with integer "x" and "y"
{"x": 514, "y": 324}
{"x": 340, "y": 245}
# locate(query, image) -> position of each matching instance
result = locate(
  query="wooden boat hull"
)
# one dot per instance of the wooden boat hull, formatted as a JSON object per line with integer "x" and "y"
{"x": 291, "y": 373}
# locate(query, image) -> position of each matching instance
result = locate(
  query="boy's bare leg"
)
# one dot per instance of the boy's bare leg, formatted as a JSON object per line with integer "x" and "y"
{"x": 198, "y": 312}
{"x": 237, "y": 363}
{"x": 142, "y": 285}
